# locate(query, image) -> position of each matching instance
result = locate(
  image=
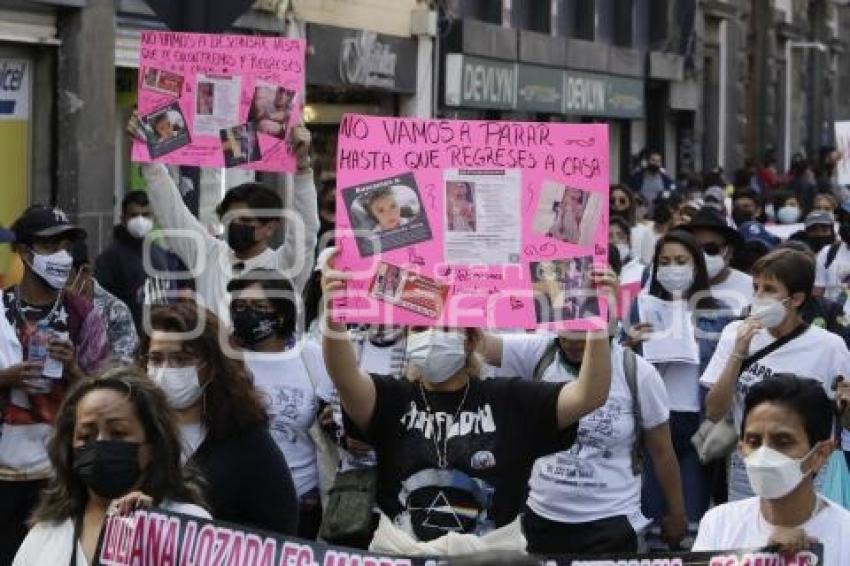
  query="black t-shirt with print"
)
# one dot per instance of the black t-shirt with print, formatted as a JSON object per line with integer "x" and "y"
{"x": 504, "y": 426}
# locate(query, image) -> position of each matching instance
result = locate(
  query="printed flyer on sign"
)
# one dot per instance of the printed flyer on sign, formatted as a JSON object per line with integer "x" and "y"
{"x": 219, "y": 100}
{"x": 157, "y": 537}
{"x": 465, "y": 223}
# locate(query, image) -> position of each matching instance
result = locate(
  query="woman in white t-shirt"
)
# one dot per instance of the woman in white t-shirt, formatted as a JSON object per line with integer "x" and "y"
{"x": 287, "y": 374}
{"x": 678, "y": 297}
{"x": 586, "y": 500}
{"x": 116, "y": 446}
{"x": 783, "y": 282}
{"x": 786, "y": 439}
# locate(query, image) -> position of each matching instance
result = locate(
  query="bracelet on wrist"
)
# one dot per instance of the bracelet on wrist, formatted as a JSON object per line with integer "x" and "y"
{"x": 737, "y": 356}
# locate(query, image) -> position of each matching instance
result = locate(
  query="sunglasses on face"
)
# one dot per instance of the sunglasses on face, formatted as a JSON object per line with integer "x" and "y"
{"x": 619, "y": 202}
{"x": 713, "y": 249}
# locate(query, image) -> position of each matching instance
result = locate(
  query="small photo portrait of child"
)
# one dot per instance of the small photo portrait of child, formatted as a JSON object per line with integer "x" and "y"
{"x": 387, "y": 214}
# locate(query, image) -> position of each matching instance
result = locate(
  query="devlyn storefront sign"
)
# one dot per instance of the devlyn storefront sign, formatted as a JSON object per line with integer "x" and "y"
{"x": 475, "y": 82}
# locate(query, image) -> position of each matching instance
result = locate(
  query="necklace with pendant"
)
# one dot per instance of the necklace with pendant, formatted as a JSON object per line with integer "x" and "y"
{"x": 443, "y": 456}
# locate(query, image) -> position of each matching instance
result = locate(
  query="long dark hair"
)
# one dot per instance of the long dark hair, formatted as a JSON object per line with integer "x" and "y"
{"x": 165, "y": 477}
{"x": 231, "y": 405}
{"x": 700, "y": 286}
{"x": 629, "y": 215}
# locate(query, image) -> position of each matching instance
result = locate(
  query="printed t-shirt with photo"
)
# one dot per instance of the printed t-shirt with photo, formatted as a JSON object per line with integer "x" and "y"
{"x": 502, "y": 427}
{"x": 815, "y": 354}
{"x": 593, "y": 479}
{"x": 292, "y": 402}
{"x": 742, "y": 525}
{"x": 836, "y": 279}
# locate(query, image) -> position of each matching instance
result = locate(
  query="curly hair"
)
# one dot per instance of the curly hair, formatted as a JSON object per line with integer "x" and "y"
{"x": 165, "y": 478}
{"x": 231, "y": 404}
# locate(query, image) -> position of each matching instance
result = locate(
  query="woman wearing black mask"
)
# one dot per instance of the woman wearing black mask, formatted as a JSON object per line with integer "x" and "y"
{"x": 115, "y": 436}
{"x": 288, "y": 375}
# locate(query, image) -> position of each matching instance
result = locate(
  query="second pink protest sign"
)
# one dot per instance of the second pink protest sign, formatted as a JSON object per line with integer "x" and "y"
{"x": 466, "y": 223}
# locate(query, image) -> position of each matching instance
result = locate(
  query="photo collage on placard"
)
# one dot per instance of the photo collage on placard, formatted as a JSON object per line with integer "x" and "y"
{"x": 408, "y": 290}
{"x": 216, "y": 113}
{"x": 567, "y": 214}
{"x": 563, "y": 290}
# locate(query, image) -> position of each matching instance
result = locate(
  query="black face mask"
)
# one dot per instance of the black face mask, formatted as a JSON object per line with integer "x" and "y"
{"x": 844, "y": 232}
{"x": 110, "y": 468}
{"x": 241, "y": 237}
{"x": 251, "y": 326}
{"x": 740, "y": 216}
{"x": 652, "y": 168}
{"x": 817, "y": 243}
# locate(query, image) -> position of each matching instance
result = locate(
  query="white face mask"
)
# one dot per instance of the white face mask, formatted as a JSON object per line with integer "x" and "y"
{"x": 436, "y": 355}
{"x": 772, "y": 474}
{"x": 53, "y": 268}
{"x": 181, "y": 385}
{"x": 139, "y": 226}
{"x": 714, "y": 264}
{"x": 768, "y": 311}
{"x": 788, "y": 215}
{"x": 624, "y": 250}
{"x": 676, "y": 278}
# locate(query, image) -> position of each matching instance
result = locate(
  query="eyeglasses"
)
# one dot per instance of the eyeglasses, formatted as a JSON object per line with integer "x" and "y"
{"x": 712, "y": 248}
{"x": 172, "y": 360}
{"x": 239, "y": 305}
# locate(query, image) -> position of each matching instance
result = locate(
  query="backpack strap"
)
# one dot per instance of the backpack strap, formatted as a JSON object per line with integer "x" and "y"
{"x": 630, "y": 369}
{"x": 831, "y": 254}
{"x": 545, "y": 360}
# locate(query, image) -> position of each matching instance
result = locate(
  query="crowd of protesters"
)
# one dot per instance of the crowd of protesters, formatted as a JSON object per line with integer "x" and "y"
{"x": 232, "y": 393}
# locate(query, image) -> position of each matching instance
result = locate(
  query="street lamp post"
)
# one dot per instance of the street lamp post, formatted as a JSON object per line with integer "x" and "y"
{"x": 789, "y": 47}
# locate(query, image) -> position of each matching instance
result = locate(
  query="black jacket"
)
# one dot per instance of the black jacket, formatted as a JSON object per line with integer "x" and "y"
{"x": 120, "y": 269}
{"x": 247, "y": 482}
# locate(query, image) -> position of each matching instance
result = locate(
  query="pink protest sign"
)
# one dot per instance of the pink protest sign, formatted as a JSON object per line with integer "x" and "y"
{"x": 471, "y": 223}
{"x": 219, "y": 100}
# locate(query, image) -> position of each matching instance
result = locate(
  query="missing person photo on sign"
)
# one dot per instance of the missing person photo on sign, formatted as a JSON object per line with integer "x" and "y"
{"x": 165, "y": 130}
{"x": 460, "y": 206}
{"x": 240, "y": 145}
{"x": 164, "y": 82}
{"x": 567, "y": 214}
{"x": 483, "y": 216}
{"x": 271, "y": 108}
{"x": 216, "y": 104}
{"x": 408, "y": 290}
{"x": 562, "y": 289}
{"x": 387, "y": 214}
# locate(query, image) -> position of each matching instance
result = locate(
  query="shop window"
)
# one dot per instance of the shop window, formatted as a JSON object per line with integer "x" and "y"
{"x": 533, "y": 16}
{"x": 623, "y": 23}
{"x": 658, "y": 23}
{"x": 484, "y": 10}
{"x": 585, "y": 20}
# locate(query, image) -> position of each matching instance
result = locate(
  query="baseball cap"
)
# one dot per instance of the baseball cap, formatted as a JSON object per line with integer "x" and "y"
{"x": 39, "y": 221}
{"x": 818, "y": 217}
{"x": 753, "y": 231}
{"x": 714, "y": 193}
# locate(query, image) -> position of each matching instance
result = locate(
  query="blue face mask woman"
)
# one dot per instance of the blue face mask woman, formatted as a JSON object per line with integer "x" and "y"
{"x": 679, "y": 286}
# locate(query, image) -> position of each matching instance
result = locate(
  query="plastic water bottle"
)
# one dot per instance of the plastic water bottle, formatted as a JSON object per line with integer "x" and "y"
{"x": 39, "y": 341}
{"x": 51, "y": 369}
